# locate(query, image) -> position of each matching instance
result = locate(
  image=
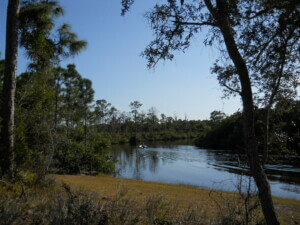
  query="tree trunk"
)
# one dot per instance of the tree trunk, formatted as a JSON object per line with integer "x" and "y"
{"x": 256, "y": 168}
{"x": 57, "y": 89}
{"x": 85, "y": 131}
{"x": 266, "y": 135}
{"x": 270, "y": 103}
{"x": 9, "y": 87}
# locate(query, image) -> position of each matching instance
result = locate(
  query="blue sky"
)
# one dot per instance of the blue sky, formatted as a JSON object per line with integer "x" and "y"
{"x": 119, "y": 74}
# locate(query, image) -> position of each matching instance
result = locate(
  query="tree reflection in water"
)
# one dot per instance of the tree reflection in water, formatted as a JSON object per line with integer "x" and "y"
{"x": 185, "y": 163}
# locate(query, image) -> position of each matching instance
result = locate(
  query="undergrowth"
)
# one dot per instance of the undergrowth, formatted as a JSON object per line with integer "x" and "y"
{"x": 49, "y": 203}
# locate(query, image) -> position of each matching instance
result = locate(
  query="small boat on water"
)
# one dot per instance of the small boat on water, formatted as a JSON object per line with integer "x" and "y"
{"x": 142, "y": 146}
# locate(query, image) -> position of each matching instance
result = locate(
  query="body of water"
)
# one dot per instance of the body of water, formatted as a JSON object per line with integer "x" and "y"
{"x": 180, "y": 163}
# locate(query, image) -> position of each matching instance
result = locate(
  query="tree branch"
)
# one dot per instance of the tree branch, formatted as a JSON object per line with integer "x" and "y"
{"x": 231, "y": 89}
{"x": 280, "y": 5}
{"x": 195, "y": 23}
{"x": 211, "y": 8}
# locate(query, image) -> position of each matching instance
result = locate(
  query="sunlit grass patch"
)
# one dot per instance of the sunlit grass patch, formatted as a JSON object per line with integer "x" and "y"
{"x": 108, "y": 185}
{"x": 182, "y": 195}
{"x": 107, "y": 200}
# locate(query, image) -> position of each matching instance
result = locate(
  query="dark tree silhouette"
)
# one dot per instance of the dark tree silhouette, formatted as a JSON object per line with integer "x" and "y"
{"x": 9, "y": 87}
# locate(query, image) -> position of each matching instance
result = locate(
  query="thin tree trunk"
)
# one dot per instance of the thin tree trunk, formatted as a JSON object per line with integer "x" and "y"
{"x": 135, "y": 125}
{"x": 9, "y": 87}
{"x": 85, "y": 131}
{"x": 56, "y": 108}
{"x": 266, "y": 137}
{"x": 270, "y": 103}
{"x": 248, "y": 113}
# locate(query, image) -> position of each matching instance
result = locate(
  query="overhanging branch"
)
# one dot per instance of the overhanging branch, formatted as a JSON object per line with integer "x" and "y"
{"x": 194, "y": 23}
{"x": 231, "y": 89}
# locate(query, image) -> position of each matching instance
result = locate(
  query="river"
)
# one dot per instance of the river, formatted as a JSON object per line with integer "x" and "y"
{"x": 183, "y": 163}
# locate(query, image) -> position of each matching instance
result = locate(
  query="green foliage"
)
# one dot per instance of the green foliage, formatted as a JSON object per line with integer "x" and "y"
{"x": 73, "y": 156}
{"x": 43, "y": 45}
{"x": 284, "y": 130}
{"x": 34, "y": 103}
{"x": 53, "y": 130}
{"x": 52, "y": 103}
{"x": 225, "y": 133}
{"x": 36, "y": 24}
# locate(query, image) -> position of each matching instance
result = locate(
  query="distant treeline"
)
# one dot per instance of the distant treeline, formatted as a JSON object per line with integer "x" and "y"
{"x": 225, "y": 132}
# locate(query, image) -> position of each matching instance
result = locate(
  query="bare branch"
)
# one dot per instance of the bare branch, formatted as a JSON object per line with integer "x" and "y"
{"x": 195, "y": 23}
{"x": 231, "y": 89}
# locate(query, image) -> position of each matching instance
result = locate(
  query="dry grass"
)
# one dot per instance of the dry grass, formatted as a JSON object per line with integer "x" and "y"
{"x": 107, "y": 186}
{"x": 104, "y": 200}
{"x": 62, "y": 204}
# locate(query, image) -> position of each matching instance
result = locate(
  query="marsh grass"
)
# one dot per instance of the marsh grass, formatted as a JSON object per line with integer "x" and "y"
{"x": 184, "y": 196}
{"x": 126, "y": 202}
{"x": 64, "y": 206}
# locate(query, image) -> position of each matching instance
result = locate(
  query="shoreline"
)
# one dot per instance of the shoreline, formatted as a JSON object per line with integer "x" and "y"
{"x": 181, "y": 196}
{"x": 107, "y": 184}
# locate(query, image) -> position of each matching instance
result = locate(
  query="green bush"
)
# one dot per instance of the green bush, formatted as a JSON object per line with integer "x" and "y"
{"x": 74, "y": 155}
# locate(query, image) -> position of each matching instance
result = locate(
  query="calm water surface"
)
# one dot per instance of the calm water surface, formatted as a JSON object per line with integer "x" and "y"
{"x": 188, "y": 164}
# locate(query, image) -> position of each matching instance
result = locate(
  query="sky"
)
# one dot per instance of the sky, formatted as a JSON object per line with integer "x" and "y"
{"x": 183, "y": 87}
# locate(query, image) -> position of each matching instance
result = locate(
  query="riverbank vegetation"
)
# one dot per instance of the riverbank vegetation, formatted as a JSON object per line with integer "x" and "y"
{"x": 225, "y": 132}
{"x": 64, "y": 199}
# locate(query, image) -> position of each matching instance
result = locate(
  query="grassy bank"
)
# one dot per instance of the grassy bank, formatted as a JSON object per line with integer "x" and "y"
{"x": 104, "y": 200}
{"x": 180, "y": 195}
